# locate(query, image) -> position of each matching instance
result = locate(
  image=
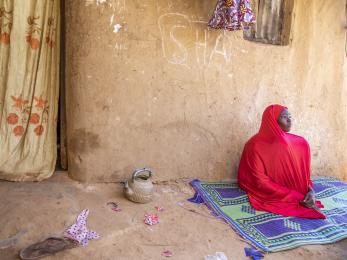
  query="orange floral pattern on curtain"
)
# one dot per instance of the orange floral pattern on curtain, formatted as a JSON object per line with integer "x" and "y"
{"x": 5, "y": 25}
{"x": 33, "y": 33}
{"x": 50, "y": 33}
{"x": 36, "y": 116}
{"x": 29, "y": 79}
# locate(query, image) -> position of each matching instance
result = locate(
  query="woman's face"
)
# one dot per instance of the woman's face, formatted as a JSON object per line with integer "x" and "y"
{"x": 285, "y": 120}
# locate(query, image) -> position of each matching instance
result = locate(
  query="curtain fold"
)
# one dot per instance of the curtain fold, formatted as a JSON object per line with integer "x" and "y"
{"x": 29, "y": 78}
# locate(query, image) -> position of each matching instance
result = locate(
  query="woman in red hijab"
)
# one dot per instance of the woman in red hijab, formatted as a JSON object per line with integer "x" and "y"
{"x": 275, "y": 168}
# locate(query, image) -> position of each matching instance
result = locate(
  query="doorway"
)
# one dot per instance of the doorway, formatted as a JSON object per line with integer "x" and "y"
{"x": 61, "y": 164}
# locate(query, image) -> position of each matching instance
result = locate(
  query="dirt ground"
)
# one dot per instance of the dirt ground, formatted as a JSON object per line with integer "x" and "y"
{"x": 33, "y": 211}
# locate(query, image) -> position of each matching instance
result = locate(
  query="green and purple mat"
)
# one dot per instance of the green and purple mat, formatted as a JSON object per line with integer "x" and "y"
{"x": 271, "y": 232}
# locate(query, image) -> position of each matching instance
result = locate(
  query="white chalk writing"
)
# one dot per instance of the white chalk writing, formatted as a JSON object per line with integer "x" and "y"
{"x": 177, "y": 30}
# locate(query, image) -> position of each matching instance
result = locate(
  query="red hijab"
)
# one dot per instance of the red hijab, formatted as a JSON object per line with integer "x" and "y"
{"x": 275, "y": 169}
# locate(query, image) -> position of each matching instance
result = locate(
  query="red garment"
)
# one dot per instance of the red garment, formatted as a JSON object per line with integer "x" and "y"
{"x": 275, "y": 169}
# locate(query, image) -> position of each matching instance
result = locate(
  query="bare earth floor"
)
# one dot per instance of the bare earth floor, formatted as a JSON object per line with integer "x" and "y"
{"x": 35, "y": 211}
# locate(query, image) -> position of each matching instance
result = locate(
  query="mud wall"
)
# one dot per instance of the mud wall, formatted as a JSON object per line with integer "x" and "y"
{"x": 149, "y": 85}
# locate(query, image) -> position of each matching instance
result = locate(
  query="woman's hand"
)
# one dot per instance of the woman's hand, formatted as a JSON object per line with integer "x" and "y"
{"x": 309, "y": 200}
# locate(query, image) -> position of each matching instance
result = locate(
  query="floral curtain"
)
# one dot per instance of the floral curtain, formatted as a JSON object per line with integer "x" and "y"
{"x": 29, "y": 80}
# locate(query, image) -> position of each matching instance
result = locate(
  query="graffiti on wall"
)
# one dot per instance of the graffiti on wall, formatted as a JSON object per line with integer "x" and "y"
{"x": 188, "y": 42}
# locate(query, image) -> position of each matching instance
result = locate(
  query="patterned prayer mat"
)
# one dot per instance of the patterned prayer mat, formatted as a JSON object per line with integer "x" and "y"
{"x": 271, "y": 232}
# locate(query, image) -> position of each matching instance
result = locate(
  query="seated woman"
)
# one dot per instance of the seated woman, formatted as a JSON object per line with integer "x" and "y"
{"x": 275, "y": 168}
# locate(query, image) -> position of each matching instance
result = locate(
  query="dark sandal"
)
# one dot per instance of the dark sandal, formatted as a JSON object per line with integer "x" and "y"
{"x": 47, "y": 247}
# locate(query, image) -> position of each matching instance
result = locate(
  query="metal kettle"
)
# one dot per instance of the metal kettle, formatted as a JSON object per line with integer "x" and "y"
{"x": 140, "y": 187}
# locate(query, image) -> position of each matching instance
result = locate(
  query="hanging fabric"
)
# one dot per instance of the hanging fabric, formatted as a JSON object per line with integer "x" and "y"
{"x": 29, "y": 80}
{"x": 232, "y": 15}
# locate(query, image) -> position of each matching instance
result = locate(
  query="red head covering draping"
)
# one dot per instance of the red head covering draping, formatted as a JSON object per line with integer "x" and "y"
{"x": 275, "y": 169}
